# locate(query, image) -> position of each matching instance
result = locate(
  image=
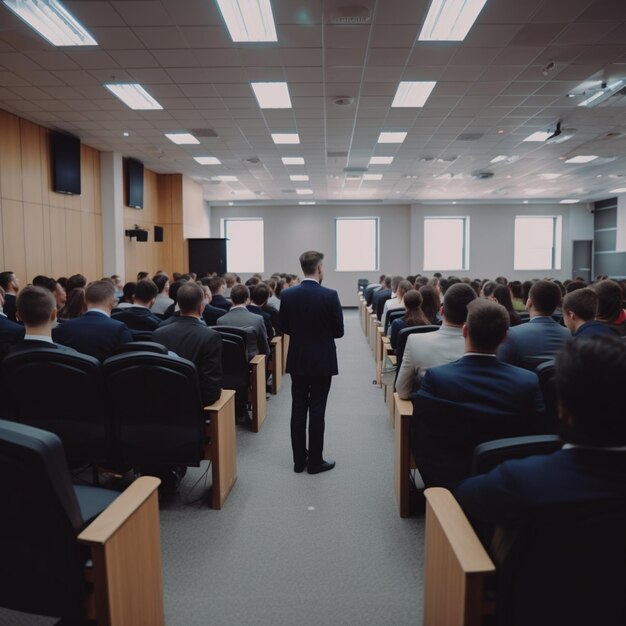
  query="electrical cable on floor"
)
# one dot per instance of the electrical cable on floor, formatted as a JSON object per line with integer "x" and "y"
{"x": 187, "y": 494}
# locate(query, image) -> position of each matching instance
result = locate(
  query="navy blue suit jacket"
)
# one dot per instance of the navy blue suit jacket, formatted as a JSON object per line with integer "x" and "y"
{"x": 92, "y": 333}
{"x": 138, "y": 318}
{"x": 10, "y": 333}
{"x": 312, "y": 317}
{"x": 219, "y": 301}
{"x": 459, "y": 405}
{"x": 594, "y": 327}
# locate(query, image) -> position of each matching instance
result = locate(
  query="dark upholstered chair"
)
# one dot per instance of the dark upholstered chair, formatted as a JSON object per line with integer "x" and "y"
{"x": 138, "y": 346}
{"x": 546, "y": 373}
{"x": 393, "y": 314}
{"x": 380, "y": 305}
{"x": 52, "y": 562}
{"x": 61, "y": 392}
{"x": 362, "y": 283}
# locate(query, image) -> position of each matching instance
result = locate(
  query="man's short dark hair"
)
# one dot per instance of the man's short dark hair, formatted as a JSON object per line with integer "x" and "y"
{"x": 142, "y": 275}
{"x": 310, "y": 261}
{"x": 99, "y": 291}
{"x": 609, "y": 295}
{"x": 582, "y": 302}
{"x": 239, "y": 294}
{"x": 573, "y": 285}
{"x": 457, "y": 298}
{"x": 146, "y": 290}
{"x": 189, "y": 297}
{"x": 215, "y": 284}
{"x": 260, "y": 294}
{"x": 6, "y": 278}
{"x": 387, "y": 282}
{"x": 128, "y": 291}
{"x": 174, "y": 287}
{"x": 487, "y": 324}
{"x": 160, "y": 281}
{"x": 76, "y": 281}
{"x": 35, "y": 305}
{"x": 590, "y": 375}
{"x": 545, "y": 296}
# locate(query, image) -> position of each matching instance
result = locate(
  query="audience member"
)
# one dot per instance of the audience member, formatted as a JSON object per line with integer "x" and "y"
{"x": 138, "y": 317}
{"x": 163, "y": 300}
{"x": 380, "y": 296}
{"x": 541, "y": 336}
{"x": 75, "y": 305}
{"x": 396, "y": 302}
{"x": 253, "y": 324}
{"x": 431, "y": 303}
{"x": 229, "y": 280}
{"x": 76, "y": 281}
{"x": 188, "y": 336}
{"x": 414, "y": 316}
{"x": 128, "y": 296}
{"x": 502, "y": 295}
{"x": 474, "y": 399}
{"x": 580, "y": 308}
{"x": 95, "y": 333}
{"x": 259, "y": 295}
{"x": 610, "y": 311}
{"x": 517, "y": 296}
{"x": 425, "y": 350}
{"x": 217, "y": 285}
{"x": 11, "y": 285}
{"x": 10, "y": 332}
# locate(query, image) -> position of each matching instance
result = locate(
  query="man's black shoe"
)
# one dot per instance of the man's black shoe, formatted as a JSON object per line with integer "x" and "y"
{"x": 324, "y": 466}
{"x": 298, "y": 468}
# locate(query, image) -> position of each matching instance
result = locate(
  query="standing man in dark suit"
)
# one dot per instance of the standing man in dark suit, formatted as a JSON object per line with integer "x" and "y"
{"x": 95, "y": 333}
{"x": 312, "y": 317}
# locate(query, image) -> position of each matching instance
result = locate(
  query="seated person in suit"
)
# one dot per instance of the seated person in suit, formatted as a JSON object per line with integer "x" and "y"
{"x": 253, "y": 324}
{"x": 442, "y": 346}
{"x": 163, "y": 300}
{"x": 128, "y": 295}
{"x": 541, "y": 336}
{"x": 139, "y": 317}
{"x": 610, "y": 303}
{"x": 10, "y": 332}
{"x": 372, "y": 288}
{"x": 94, "y": 333}
{"x": 11, "y": 285}
{"x": 397, "y": 302}
{"x": 189, "y": 337}
{"x": 414, "y": 316}
{"x": 579, "y": 314}
{"x": 381, "y": 296}
{"x": 474, "y": 399}
{"x": 259, "y": 295}
{"x": 37, "y": 310}
{"x": 590, "y": 374}
{"x": 217, "y": 286}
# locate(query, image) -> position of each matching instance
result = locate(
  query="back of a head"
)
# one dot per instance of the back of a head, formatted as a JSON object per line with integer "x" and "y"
{"x": 77, "y": 281}
{"x": 503, "y": 296}
{"x": 260, "y": 294}
{"x": 395, "y": 281}
{"x": 239, "y": 294}
{"x": 545, "y": 296}
{"x": 189, "y": 297}
{"x": 128, "y": 291}
{"x": 516, "y": 289}
{"x": 412, "y": 300}
{"x": 252, "y": 281}
{"x": 175, "y": 287}
{"x": 590, "y": 374}
{"x": 216, "y": 283}
{"x": 458, "y": 296}
{"x": 609, "y": 300}
{"x": 387, "y": 282}
{"x": 5, "y": 279}
{"x": 76, "y": 304}
{"x": 310, "y": 261}
{"x": 431, "y": 303}
{"x": 404, "y": 286}
{"x": 582, "y": 302}
{"x": 488, "y": 288}
{"x": 574, "y": 285}
{"x": 487, "y": 324}
{"x": 146, "y": 291}
{"x": 35, "y": 305}
{"x": 229, "y": 279}
{"x": 502, "y": 280}
{"x": 142, "y": 275}
{"x": 160, "y": 281}
{"x": 99, "y": 292}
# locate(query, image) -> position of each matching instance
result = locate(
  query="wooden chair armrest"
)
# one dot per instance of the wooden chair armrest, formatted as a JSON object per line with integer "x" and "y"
{"x": 125, "y": 551}
{"x": 403, "y": 459}
{"x": 456, "y": 564}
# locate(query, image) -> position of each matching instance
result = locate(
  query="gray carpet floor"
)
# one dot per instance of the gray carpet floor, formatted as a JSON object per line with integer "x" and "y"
{"x": 294, "y": 549}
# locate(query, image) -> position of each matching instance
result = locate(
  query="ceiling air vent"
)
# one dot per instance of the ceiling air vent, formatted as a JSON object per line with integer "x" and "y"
{"x": 351, "y": 15}
{"x": 482, "y": 175}
{"x": 469, "y": 136}
{"x": 354, "y": 170}
{"x": 203, "y": 132}
{"x": 337, "y": 155}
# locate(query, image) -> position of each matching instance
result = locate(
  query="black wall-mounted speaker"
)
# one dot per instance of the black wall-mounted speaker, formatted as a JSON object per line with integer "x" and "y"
{"x": 158, "y": 233}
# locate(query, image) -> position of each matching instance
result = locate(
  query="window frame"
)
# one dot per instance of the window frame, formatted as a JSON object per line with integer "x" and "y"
{"x": 224, "y": 232}
{"x": 465, "y": 246}
{"x": 557, "y": 243}
{"x": 376, "y": 221}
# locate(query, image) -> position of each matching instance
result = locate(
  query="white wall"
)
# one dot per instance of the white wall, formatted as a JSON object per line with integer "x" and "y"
{"x": 621, "y": 223}
{"x": 195, "y": 212}
{"x": 289, "y": 231}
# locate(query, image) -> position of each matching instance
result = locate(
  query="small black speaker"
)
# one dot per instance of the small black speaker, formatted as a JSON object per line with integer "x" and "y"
{"x": 158, "y": 233}
{"x": 142, "y": 235}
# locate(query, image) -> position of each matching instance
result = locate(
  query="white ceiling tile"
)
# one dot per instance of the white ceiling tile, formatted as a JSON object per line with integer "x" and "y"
{"x": 160, "y": 37}
{"x": 397, "y": 36}
{"x": 206, "y": 36}
{"x": 176, "y": 58}
{"x": 109, "y": 38}
{"x": 143, "y": 12}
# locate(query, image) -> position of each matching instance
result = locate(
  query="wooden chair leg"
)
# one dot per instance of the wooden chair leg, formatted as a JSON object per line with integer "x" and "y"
{"x": 257, "y": 391}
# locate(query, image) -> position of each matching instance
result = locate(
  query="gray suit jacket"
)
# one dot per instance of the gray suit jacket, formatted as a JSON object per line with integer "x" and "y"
{"x": 253, "y": 325}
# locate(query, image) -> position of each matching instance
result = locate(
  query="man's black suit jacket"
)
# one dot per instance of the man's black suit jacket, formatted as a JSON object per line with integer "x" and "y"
{"x": 10, "y": 306}
{"x": 267, "y": 319}
{"x": 138, "y": 318}
{"x": 192, "y": 339}
{"x": 92, "y": 333}
{"x": 312, "y": 317}
{"x": 220, "y": 302}
{"x": 10, "y": 333}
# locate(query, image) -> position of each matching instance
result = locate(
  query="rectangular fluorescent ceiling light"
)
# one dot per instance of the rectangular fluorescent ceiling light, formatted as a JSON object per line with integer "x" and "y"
{"x": 538, "y": 136}
{"x": 272, "y": 95}
{"x": 304, "y": 192}
{"x": 412, "y": 93}
{"x": 292, "y": 160}
{"x": 181, "y": 138}
{"x": 450, "y": 20}
{"x": 618, "y": 190}
{"x": 248, "y": 20}
{"x": 299, "y": 177}
{"x": 499, "y": 158}
{"x": 582, "y": 158}
{"x": 353, "y": 177}
{"x": 381, "y": 160}
{"x": 225, "y": 179}
{"x": 305, "y": 202}
{"x": 548, "y": 176}
{"x": 391, "y": 137}
{"x": 607, "y": 91}
{"x": 134, "y": 96}
{"x": 570, "y": 201}
{"x": 372, "y": 176}
{"x": 285, "y": 138}
{"x": 207, "y": 160}
{"x": 52, "y": 21}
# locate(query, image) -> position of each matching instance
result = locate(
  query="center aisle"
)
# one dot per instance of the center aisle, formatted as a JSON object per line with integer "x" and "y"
{"x": 296, "y": 549}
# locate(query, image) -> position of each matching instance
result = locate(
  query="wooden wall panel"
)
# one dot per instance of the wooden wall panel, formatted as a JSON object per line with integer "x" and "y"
{"x": 58, "y": 242}
{"x": 1, "y": 238}
{"x": 13, "y": 237}
{"x": 34, "y": 239}
{"x": 74, "y": 236}
{"x": 10, "y": 157}
{"x": 31, "y": 163}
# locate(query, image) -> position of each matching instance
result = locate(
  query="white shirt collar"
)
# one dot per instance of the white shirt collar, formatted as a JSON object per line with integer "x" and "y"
{"x": 576, "y": 446}
{"x": 39, "y": 338}
{"x": 312, "y": 279}
{"x": 97, "y": 310}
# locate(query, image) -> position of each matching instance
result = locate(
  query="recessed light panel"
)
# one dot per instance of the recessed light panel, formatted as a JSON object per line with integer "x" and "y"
{"x": 372, "y": 176}
{"x": 207, "y": 160}
{"x": 292, "y": 160}
{"x": 450, "y": 20}
{"x": 618, "y": 190}
{"x": 391, "y": 137}
{"x": 272, "y": 95}
{"x": 304, "y": 192}
{"x": 248, "y": 20}
{"x": 381, "y": 160}
{"x": 52, "y": 21}
{"x": 582, "y": 158}
{"x": 181, "y": 138}
{"x": 570, "y": 201}
{"x": 306, "y": 202}
{"x": 538, "y": 136}
{"x": 299, "y": 177}
{"x": 225, "y": 179}
{"x": 284, "y": 138}
{"x": 134, "y": 96}
{"x": 412, "y": 93}
{"x": 499, "y": 158}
